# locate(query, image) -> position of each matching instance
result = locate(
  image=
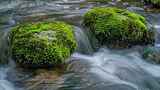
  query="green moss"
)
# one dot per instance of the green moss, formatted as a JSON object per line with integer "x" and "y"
{"x": 113, "y": 26}
{"x": 156, "y": 3}
{"x": 42, "y": 43}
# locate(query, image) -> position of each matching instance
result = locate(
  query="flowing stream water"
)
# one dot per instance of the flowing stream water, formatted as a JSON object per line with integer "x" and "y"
{"x": 103, "y": 69}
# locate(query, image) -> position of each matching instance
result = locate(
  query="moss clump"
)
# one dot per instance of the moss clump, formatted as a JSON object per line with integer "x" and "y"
{"x": 155, "y": 3}
{"x": 42, "y": 43}
{"x": 118, "y": 27}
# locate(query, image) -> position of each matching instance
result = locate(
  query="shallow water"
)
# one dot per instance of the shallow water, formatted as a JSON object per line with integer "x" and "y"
{"x": 121, "y": 70}
{"x": 104, "y": 69}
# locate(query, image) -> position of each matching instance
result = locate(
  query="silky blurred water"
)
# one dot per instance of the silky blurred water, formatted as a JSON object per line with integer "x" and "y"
{"x": 89, "y": 69}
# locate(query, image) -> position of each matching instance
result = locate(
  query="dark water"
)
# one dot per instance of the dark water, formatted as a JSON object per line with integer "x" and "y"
{"x": 104, "y": 69}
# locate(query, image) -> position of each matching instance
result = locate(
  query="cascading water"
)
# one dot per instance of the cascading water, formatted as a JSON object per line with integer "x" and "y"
{"x": 84, "y": 45}
{"x": 121, "y": 70}
{"x": 5, "y": 84}
{"x": 157, "y": 27}
{"x": 105, "y": 69}
{"x": 4, "y": 58}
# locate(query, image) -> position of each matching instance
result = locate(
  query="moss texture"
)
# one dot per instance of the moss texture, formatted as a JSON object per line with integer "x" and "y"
{"x": 155, "y": 3}
{"x": 118, "y": 27}
{"x": 42, "y": 43}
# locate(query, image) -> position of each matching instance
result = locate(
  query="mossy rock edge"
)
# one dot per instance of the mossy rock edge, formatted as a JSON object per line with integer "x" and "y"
{"x": 116, "y": 27}
{"x": 42, "y": 44}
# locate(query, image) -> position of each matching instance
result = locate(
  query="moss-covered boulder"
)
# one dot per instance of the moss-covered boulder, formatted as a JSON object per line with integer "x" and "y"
{"x": 152, "y": 54}
{"x": 118, "y": 27}
{"x": 42, "y": 44}
{"x": 155, "y": 3}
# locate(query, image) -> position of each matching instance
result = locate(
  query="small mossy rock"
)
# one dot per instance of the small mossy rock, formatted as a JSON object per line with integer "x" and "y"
{"x": 42, "y": 44}
{"x": 155, "y": 3}
{"x": 152, "y": 53}
{"x": 118, "y": 27}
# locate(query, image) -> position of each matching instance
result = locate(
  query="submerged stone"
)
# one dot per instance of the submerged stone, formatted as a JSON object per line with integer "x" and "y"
{"x": 118, "y": 27}
{"x": 43, "y": 79}
{"x": 42, "y": 44}
{"x": 152, "y": 53}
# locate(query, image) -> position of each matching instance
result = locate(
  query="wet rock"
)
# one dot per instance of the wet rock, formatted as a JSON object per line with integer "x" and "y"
{"x": 4, "y": 19}
{"x": 43, "y": 79}
{"x": 3, "y": 62}
{"x": 152, "y": 53}
{"x": 78, "y": 66}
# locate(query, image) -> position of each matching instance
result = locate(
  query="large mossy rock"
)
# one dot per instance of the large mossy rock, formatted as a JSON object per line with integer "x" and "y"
{"x": 155, "y": 3}
{"x": 42, "y": 44}
{"x": 118, "y": 27}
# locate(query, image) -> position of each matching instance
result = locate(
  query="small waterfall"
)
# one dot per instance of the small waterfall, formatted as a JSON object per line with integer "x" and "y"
{"x": 157, "y": 42}
{"x": 154, "y": 20}
{"x": 5, "y": 63}
{"x": 4, "y": 83}
{"x": 157, "y": 27}
{"x": 84, "y": 45}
